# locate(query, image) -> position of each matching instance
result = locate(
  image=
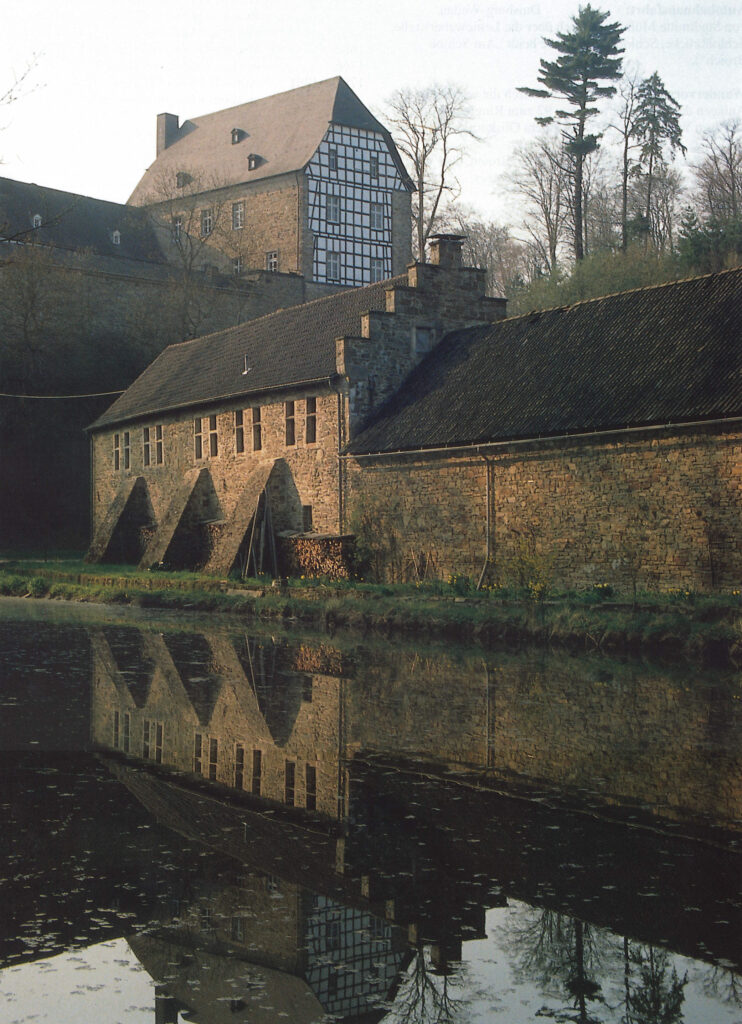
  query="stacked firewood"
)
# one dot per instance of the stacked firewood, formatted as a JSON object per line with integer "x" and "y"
{"x": 328, "y": 557}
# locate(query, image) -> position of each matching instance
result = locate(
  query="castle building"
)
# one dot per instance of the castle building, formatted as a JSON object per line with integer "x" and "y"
{"x": 306, "y": 182}
{"x": 592, "y": 443}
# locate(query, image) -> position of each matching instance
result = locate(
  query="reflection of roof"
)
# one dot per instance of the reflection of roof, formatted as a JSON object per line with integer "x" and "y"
{"x": 292, "y": 346}
{"x": 71, "y": 221}
{"x": 666, "y": 354}
{"x": 282, "y": 131}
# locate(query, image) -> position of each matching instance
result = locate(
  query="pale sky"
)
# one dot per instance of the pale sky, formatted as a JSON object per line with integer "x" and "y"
{"x": 104, "y": 70}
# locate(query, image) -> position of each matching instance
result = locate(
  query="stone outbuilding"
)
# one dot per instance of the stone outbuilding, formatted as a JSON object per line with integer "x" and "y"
{"x": 597, "y": 443}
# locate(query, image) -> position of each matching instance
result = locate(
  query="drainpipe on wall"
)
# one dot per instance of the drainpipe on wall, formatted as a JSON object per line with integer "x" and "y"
{"x": 488, "y": 473}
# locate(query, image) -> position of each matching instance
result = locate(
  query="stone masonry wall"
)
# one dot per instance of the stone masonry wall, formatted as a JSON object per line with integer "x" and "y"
{"x": 306, "y": 474}
{"x": 662, "y": 508}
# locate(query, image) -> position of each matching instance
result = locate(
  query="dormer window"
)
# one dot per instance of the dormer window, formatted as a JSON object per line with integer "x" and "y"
{"x": 252, "y": 161}
{"x": 36, "y": 220}
{"x": 237, "y": 136}
{"x": 116, "y": 238}
{"x": 182, "y": 178}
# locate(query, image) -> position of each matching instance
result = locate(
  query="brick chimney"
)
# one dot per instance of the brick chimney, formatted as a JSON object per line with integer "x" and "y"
{"x": 445, "y": 250}
{"x": 167, "y": 131}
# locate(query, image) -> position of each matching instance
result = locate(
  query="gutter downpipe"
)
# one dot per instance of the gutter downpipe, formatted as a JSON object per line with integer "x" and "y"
{"x": 488, "y": 500}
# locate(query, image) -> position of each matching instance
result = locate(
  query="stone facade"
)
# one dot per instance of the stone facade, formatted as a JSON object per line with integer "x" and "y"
{"x": 661, "y": 508}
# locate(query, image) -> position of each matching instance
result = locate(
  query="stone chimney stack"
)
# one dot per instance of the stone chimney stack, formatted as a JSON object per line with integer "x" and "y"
{"x": 167, "y": 131}
{"x": 445, "y": 250}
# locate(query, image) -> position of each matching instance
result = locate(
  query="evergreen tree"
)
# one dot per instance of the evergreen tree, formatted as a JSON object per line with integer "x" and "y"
{"x": 656, "y": 125}
{"x": 588, "y": 56}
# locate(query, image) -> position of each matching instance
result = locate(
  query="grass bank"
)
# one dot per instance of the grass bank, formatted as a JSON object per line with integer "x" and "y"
{"x": 678, "y": 625}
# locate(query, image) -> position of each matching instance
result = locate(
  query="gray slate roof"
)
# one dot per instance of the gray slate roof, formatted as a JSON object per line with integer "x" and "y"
{"x": 665, "y": 354}
{"x": 75, "y": 222}
{"x": 292, "y": 346}
{"x": 283, "y": 131}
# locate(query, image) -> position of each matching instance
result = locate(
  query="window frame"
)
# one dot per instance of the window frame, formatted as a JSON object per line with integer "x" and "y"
{"x": 198, "y": 438}
{"x": 207, "y": 221}
{"x": 126, "y": 450}
{"x": 376, "y": 216}
{"x": 257, "y": 428}
{"x": 116, "y": 453}
{"x": 335, "y": 275}
{"x": 239, "y": 431}
{"x": 333, "y": 209}
{"x": 271, "y": 261}
{"x": 213, "y": 426}
{"x": 378, "y": 270}
{"x": 238, "y": 215}
{"x": 289, "y": 412}
{"x": 310, "y": 420}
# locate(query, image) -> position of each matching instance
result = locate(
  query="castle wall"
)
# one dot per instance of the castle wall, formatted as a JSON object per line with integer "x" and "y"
{"x": 659, "y": 509}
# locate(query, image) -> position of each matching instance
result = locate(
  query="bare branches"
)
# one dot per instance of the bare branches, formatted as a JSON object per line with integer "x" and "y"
{"x": 429, "y": 128}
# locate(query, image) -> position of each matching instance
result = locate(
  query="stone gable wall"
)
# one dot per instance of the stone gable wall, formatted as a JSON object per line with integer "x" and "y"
{"x": 663, "y": 508}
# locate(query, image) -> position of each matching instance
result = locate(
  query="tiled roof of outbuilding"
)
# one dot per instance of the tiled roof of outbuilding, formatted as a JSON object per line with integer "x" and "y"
{"x": 665, "y": 354}
{"x": 292, "y": 346}
{"x": 282, "y": 130}
{"x": 74, "y": 222}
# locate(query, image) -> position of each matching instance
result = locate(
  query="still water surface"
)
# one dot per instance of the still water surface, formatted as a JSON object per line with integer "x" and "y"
{"x": 204, "y": 824}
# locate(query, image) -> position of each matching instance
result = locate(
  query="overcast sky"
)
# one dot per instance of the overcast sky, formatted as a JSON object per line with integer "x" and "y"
{"x": 104, "y": 70}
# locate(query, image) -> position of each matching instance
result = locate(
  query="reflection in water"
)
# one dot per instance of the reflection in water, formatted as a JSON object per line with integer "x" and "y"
{"x": 297, "y": 830}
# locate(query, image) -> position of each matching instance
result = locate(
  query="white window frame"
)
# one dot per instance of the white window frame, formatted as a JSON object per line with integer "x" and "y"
{"x": 238, "y": 215}
{"x": 376, "y": 216}
{"x": 333, "y": 211}
{"x": 333, "y": 268}
{"x": 207, "y": 221}
{"x": 271, "y": 261}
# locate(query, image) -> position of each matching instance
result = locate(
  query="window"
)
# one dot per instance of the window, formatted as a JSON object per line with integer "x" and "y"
{"x": 310, "y": 432}
{"x": 116, "y": 451}
{"x": 198, "y": 441}
{"x": 290, "y": 785}
{"x": 333, "y": 209}
{"x": 332, "y": 158}
{"x": 239, "y": 432}
{"x": 116, "y": 238}
{"x": 152, "y": 443}
{"x": 252, "y": 161}
{"x": 182, "y": 178}
{"x": 176, "y": 228}
{"x": 238, "y": 215}
{"x": 377, "y": 269}
{"x": 236, "y": 136}
{"x": 213, "y": 437}
{"x": 207, "y": 221}
{"x": 127, "y": 450}
{"x": 237, "y": 265}
{"x": 377, "y": 216}
{"x": 127, "y": 732}
{"x": 423, "y": 339}
{"x": 311, "y": 778}
{"x": 271, "y": 261}
{"x": 306, "y": 518}
{"x": 213, "y": 756}
{"x": 333, "y": 266}
{"x": 374, "y": 168}
{"x": 198, "y": 749}
{"x": 238, "y": 929}
{"x": 36, "y": 220}
{"x": 290, "y": 423}
{"x": 239, "y": 765}
{"x": 257, "y": 771}
{"x": 257, "y": 430}
{"x": 116, "y": 719}
{"x": 152, "y": 740}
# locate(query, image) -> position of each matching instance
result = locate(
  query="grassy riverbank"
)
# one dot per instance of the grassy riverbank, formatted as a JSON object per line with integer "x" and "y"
{"x": 675, "y": 625}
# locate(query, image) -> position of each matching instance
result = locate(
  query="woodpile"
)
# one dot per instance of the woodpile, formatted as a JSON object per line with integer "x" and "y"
{"x": 313, "y": 556}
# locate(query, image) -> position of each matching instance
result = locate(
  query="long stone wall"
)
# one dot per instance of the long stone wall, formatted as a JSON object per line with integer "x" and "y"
{"x": 661, "y": 510}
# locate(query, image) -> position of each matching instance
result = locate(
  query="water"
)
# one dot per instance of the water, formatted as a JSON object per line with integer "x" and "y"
{"x": 204, "y": 824}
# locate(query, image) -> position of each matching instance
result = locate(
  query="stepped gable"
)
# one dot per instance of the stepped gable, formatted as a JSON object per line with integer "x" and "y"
{"x": 293, "y": 346}
{"x": 283, "y": 131}
{"x": 666, "y": 354}
{"x": 75, "y": 222}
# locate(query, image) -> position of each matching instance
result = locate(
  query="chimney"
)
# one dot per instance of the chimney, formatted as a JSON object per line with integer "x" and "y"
{"x": 167, "y": 131}
{"x": 445, "y": 250}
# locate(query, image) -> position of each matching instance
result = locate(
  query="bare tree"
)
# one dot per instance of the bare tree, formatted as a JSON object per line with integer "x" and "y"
{"x": 540, "y": 179}
{"x": 719, "y": 174}
{"x": 491, "y": 247}
{"x": 625, "y": 125}
{"x": 429, "y": 127}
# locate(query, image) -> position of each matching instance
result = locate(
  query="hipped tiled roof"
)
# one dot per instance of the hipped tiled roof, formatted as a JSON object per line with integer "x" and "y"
{"x": 75, "y": 222}
{"x": 665, "y": 354}
{"x": 283, "y": 131}
{"x": 292, "y": 346}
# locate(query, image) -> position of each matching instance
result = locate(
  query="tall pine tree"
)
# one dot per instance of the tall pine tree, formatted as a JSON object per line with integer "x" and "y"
{"x": 657, "y": 124}
{"x": 588, "y": 56}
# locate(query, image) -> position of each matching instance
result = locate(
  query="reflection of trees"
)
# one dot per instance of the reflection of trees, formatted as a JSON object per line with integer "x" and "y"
{"x": 658, "y": 996}
{"x": 423, "y": 997}
{"x": 550, "y": 948}
{"x": 725, "y": 985}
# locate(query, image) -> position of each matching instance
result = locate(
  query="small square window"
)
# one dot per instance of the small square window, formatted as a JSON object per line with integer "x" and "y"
{"x": 423, "y": 340}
